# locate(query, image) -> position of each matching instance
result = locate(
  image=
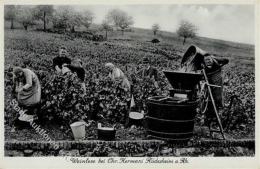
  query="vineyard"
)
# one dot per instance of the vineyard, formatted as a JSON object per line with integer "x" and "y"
{"x": 106, "y": 102}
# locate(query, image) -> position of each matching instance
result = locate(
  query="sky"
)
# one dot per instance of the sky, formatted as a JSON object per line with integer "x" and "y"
{"x": 226, "y": 22}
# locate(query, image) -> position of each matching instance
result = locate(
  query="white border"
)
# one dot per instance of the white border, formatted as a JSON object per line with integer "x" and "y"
{"x": 195, "y": 162}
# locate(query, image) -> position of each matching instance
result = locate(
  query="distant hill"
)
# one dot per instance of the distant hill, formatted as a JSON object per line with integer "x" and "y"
{"x": 215, "y": 46}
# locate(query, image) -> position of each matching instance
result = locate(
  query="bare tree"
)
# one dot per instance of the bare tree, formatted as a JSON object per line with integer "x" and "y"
{"x": 10, "y": 12}
{"x": 186, "y": 30}
{"x": 25, "y": 16}
{"x": 155, "y": 28}
{"x": 120, "y": 19}
{"x": 106, "y": 26}
{"x": 44, "y": 13}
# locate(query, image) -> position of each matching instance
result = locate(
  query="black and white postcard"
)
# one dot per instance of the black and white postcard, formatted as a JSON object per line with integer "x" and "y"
{"x": 129, "y": 83}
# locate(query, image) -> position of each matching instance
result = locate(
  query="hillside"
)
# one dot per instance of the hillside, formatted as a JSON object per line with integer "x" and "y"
{"x": 126, "y": 52}
{"x": 219, "y": 47}
{"x": 215, "y": 46}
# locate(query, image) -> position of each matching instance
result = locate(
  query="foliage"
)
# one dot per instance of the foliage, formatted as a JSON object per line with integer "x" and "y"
{"x": 25, "y": 16}
{"x": 10, "y": 13}
{"x": 63, "y": 100}
{"x": 239, "y": 81}
{"x": 43, "y": 13}
{"x": 120, "y": 19}
{"x": 155, "y": 28}
{"x": 66, "y": 17}
{"x": 87, "y": 18}
{"x": 61, "y": 18}
{"x": 106, "y": 26}
{"x": 186, "y": 30}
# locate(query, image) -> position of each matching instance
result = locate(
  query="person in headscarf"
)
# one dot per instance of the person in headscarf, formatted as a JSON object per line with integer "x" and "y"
{"x": 116, "y": 73}
{"x": 27, "y": 91}
{"x": 212, "y": 66}
{"x": 212, "y": 63}
{"x": 61, "y": 59}
{"x": 194, "y": 61}
{"x": 76, "y": 67}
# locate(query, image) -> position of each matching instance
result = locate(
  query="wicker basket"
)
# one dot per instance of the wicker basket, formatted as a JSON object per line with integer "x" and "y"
{"x": 217, "y": 92}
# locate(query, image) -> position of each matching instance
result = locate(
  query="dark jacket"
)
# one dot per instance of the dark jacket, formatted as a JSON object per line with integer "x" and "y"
{"x": 60, "y": 61}
{"x": 78, "y": 70}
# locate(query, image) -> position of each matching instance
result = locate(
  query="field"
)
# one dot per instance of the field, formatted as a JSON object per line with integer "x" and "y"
{"x": 126, "y": 52}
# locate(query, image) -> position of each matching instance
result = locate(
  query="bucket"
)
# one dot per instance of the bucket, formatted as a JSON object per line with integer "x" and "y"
{"x": 170, "y": 120}
{"x": 194, "y": 54}
{"x": 136, "y": 118}
{"x": 78, "y": 130}
{"x": 106, "y": 133}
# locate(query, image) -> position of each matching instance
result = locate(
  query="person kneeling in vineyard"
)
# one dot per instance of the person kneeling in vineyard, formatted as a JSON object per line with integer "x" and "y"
{"x": 149, "y": 71}
{"x": 61, "y": 59}
{"x": 28, "y": 93}
{"x": 117, "y": 74}
{"x": 77, "y": 68}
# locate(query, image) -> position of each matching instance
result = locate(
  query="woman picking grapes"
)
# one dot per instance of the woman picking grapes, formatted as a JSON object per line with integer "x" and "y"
{"x": 27, "y": 91}
{"x": 116, "y": 73}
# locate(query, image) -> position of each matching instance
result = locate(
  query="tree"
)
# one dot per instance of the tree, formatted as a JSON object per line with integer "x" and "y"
{"x": 120, "y": 19}
{"x": 66, "y": 17}
{"x": 10, "y": 13}
{"x": 60, "y": 18}
{"x": 25, "y": 16}
{"x": 155, "y": 28}
{"x": 44, "y": 13}
{"x": 186, "y": 30}
{"x": 87, "y": 18}
{"x": 75, "y": 19}
{"x": 106, "y": 26}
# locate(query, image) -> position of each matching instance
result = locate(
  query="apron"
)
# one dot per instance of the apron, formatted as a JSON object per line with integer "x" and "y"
{"x": 32, "y": 95}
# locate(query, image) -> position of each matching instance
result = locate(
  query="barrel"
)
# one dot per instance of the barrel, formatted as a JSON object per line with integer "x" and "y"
{"x": 170, "y": 120}
{"x": 217, "y": 92}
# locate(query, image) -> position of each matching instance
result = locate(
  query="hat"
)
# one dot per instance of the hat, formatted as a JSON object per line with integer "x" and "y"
{"x": 17, "y": 70}
{"x": 63, "y": 47}
{"x": 145, "y": 60}
{"x": 110, "y": 65}
{"x": 78, "y": 61}
{"x": 65, "y": 70}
